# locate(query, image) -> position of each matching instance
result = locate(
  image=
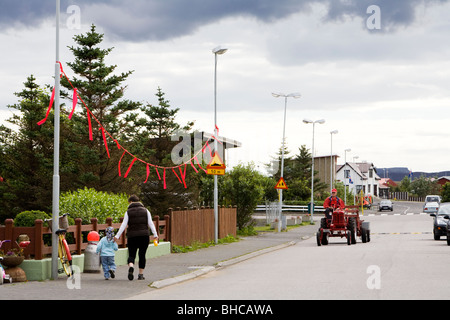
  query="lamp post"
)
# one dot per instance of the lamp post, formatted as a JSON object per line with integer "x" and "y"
{"x": 345, "y": 171}
{"x": 56, "y": 179}
{"x": 321, "y": 121}
{"x": 217, "y": 51}
{"x": 286, "y": 96}
{"x": 331, "y": 159}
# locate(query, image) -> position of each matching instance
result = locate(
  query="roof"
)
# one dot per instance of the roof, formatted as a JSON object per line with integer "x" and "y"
{"x": 361, "y": 168}
{"x": 388, "y": 182}
{"x": 354, "y": 167}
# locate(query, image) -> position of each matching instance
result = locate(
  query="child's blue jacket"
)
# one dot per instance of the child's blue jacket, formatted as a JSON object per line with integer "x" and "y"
{"x": 107, "y": 248}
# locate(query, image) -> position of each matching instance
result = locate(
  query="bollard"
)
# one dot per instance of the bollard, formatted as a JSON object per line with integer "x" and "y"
{"x": 91, "y": 258}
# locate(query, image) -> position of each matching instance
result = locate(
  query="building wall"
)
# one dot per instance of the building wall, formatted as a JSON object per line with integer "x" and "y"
{"x": 322, "y": 166}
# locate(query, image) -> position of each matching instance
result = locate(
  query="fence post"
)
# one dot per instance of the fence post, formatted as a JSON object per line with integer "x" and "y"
{"x": 78, "y": 236}
{"x": 167, "y": 231}
{"x": 156, "y": 223}
{"x": 9, "y": 225}
{"x": 38, "y": 239}
{"x": 94, "y": 222}
{"x": 109, "y": 221}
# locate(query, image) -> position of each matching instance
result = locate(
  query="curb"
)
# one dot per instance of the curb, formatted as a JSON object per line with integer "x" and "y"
{"x": 204, "y": 270}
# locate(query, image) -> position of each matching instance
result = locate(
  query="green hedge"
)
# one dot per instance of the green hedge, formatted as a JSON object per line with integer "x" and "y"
{"x": 26, "y": 218}
{"x": 89, "y": 203}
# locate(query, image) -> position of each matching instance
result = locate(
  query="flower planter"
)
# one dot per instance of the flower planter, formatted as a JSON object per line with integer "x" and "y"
{"x": 12, "y": 261}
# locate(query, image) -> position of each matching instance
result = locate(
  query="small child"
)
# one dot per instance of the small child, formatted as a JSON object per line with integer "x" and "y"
{"x": 106, "y": 247}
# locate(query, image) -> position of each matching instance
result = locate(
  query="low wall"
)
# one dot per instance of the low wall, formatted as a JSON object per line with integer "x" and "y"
{"x": 37, "y": 270}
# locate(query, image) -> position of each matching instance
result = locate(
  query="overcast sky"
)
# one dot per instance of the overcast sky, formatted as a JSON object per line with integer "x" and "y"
{"x": 382, "y": 80}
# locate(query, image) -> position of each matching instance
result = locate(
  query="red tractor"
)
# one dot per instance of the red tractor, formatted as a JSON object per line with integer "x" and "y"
{"x": 344, "y": 223}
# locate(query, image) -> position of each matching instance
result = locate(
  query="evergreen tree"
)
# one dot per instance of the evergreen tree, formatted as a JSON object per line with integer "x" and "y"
{"x": 157, "y": 146}
{"x": 26, "y": 155}
{"x": 103, "y": 93}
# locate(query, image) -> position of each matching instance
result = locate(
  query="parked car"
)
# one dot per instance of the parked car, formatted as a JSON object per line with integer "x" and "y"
{"x": 385, "y": 205}
{"x": 431, "y": 198}
{"x": 431, "y": 207}
{"x": 441, "y": 225}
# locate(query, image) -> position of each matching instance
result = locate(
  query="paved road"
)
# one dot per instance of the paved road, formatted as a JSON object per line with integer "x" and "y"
{"x": 401, "y": 262}
{"x": 400, "y": 207}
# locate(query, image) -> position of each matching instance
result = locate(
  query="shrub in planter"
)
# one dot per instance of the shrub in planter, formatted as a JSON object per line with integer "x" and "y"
{"x": 26, "y": 218}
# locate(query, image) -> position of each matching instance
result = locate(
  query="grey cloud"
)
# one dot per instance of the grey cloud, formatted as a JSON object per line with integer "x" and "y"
{"x": 141, "y": 20}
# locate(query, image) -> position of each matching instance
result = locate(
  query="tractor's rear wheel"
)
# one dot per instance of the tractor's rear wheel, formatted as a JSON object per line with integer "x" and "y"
{"x": 351, "y": 226}
{"x": 363, "y": 235}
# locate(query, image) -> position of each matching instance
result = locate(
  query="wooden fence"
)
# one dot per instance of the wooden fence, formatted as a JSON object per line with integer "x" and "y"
{"x": 191, "y": 225}
{"x": 38, "y": 249}
{"x": 405, "y": 196}
{"x": 181, "y": 227}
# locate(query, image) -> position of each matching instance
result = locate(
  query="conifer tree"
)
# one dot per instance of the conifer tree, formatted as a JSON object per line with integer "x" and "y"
{"x": 103, "y": 92}
{"x": 26, "y": 154}
{"x": 156, "y": 135}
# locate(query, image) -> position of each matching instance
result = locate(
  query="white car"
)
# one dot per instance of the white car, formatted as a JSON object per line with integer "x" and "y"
{"x": 431, "y": 207}
{"x": 433, "y": 198}
{"x": 385, "y": 205}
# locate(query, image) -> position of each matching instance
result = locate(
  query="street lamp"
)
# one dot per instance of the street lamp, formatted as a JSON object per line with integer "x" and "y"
{"x": 217, "y": 51}
{"x": 345, "y": 178}
{"x": 321, "y": 121}
{"x": 331, "y": 160}
{"x": 56, "y": 142}
{"x": 295, "y": 96}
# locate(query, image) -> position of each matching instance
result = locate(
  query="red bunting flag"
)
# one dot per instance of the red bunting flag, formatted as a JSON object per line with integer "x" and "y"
{"x": 104, "y": 141}
{"x": 120, "y": 162}
{"x": 74, "y": 102}
{"x": 192, "y": 165}
{"x": 49, "y": 108}
{"x": 183, "y": 175}
{"x": 198, "y": 163}
{"x": 164, "y": 175}
{"x": 90, "y": 125}
{"x": 176, "y": 175}
{"x": 129, "y": 168}
{"x": 148, "y": 173}
{"x": 157, "y": 172}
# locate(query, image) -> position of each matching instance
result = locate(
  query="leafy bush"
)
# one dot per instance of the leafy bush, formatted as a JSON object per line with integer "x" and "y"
{"x": 26, "y": 218}
{"x": 89, "y": 203}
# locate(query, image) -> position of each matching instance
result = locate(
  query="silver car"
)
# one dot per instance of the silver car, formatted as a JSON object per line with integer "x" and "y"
{"x": 431, "y": 207}
{"x": 385, "y": 205}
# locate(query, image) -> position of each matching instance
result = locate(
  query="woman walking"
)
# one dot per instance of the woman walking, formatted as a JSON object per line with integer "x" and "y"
{"x": 138, "y": 219}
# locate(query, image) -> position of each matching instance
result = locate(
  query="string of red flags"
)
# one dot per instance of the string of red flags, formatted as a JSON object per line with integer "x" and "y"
{"x": 49, "y": 108}
{"x": 182, "y": 168}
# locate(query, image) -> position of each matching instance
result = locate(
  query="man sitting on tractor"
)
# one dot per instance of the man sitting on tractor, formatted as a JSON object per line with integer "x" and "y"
{"x": 332, "y": 203}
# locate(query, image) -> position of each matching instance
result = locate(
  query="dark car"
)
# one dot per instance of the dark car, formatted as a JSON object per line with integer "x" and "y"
{"x": 441, "y": 226}
{"x": 385, "y": 205}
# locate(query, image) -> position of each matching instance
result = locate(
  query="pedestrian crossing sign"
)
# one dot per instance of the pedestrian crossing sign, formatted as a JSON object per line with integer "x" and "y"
{"x": 281, "y": 184}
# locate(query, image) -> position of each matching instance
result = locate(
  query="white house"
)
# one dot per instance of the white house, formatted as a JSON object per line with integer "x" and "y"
{"x": 359, "y": 176}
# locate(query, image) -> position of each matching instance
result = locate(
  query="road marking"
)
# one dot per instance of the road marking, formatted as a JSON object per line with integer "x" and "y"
{"x": 398, "y": 233}
{"x": 395, "y": 214}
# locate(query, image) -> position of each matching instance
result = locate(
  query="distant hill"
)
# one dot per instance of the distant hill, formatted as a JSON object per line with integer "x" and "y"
{"x": 398, "y": 173}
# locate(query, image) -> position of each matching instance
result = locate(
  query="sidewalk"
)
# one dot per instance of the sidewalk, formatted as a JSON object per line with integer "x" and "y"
{"x": 159, "y": 272}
